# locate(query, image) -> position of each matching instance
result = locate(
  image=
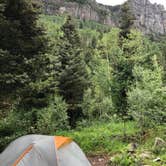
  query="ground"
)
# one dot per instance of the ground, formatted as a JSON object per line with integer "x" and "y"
{"x": 114, "y": 140}
{"x": 99, "y": 160}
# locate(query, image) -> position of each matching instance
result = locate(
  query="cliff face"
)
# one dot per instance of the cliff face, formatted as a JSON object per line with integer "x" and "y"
{"x": 150, "y": 18}
{"x": 86, "y": 11}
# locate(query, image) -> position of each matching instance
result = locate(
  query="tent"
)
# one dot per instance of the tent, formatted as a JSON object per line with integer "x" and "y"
{"x": 39, "y": 150}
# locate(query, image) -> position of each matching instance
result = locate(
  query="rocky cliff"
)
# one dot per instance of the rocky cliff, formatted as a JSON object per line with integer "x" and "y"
{"x": 84, "y": 11}
{"x": 150, "y": 18}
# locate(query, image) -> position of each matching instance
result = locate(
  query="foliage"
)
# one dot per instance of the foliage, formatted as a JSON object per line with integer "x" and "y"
{"x": 125, "y": 159}
{"x": 56, "y": 73}
{"x": 24, "y": 64}
{"x": 53, "y": 118}
{"x": 52, "y": 22}
{"x": 126, "y": 20}
{"x": 101, "y": 138}
{"x": 79, "y": 1}
{"x": 89, "y": 38}
{"x": 72, "y": 70}
{"x": 122, "y": 55}
{"x": 7, "y": 81}
{"x": 162, "y": 45}
{"x": 97, "y": 101}
{"x": 146, "y": 99}
{"x": 43, "y": 121}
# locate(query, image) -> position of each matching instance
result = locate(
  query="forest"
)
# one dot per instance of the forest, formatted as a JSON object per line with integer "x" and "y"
{"x": 103, "y": 86}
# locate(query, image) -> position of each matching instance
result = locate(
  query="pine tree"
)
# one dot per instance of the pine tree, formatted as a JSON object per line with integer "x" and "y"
{"x": 21, "y": 35}
{"x": 126, "y": 20}
{"x": 73, "y": 75}
{"x": 123, "y": 69}
{"x": 24, "y": 65}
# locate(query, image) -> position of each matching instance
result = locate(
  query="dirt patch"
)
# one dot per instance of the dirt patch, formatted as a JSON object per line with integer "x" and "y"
{"x": 99, "y": 160}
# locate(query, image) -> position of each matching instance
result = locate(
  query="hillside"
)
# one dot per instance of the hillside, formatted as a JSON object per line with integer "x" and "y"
{"x": 150, "y": 18}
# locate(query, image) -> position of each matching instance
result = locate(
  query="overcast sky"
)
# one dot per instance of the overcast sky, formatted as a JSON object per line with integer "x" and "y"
{"x": 117, "y": 2}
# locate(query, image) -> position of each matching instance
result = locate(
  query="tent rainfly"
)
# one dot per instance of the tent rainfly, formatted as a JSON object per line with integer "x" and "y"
{"x": 39, "y": 150}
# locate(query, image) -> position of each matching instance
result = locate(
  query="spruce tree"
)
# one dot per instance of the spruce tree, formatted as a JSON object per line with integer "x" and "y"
{"x": 126, "y": 20}
{"x": 21, "y": 34}
{"x": 24, "y": 65}
{"x": 73, "y": 75}
{"x": 123, "y": 69}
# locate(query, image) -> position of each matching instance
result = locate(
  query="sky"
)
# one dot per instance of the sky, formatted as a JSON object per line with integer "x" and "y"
{"x": 117, "y": 2}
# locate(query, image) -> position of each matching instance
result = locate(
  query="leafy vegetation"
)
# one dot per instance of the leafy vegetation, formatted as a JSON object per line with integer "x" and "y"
{"x": 79, "y": 1}
{"x": 59, "y": 75}
{"x": 108, "y": 138}
{"x": 23, "y": 46}
{"x": 72, "y": 76}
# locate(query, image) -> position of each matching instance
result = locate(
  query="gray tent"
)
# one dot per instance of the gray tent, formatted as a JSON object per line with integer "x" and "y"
{"x": 39, "y": 150}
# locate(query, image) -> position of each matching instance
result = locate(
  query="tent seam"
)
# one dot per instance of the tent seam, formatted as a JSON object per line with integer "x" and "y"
{"x": 26, "y": 151}
{"x": 56, "y": 154}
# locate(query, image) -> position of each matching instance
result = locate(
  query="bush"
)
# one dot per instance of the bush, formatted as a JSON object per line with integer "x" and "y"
{"x": 53, "y": 118}
{"x": 43, "y": 121}
{"x": 11, "y": 128}
{"x": 97, "y": 107}
{"x": 147, "y": 98}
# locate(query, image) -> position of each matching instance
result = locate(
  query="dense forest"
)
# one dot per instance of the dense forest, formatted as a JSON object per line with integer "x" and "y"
{"x": 61, "y": 75}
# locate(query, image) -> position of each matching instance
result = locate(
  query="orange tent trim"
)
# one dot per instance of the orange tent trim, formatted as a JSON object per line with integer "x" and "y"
{"x": 22, "y": 155}
{"x": 61, "y": 141}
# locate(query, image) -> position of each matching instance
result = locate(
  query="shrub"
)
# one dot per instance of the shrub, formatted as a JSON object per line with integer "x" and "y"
{"x": 43, "y": 121}
{"x": 97, "y": 107}
{"x": 147, "y": 98}
{"x": 53, "y": 118}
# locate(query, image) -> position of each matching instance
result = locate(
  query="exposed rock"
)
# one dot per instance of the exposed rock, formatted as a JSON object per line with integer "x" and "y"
{"x": 132, "y": 148}
{"x": 157, "y": 159}
{"x": 87, "y": 11}
{"x": 150, "y": 18}
{"x": 99, "y": 160}
{"x": 145, "y": 155}
{"x": 159, "y": 144}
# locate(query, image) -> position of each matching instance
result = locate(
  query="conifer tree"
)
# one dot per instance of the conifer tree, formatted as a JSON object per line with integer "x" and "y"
{"x": 73, "y": 75}
{"x": 126, "y": 20}
{"x": 123, "y": 69}
{"x": 23, "y": 45}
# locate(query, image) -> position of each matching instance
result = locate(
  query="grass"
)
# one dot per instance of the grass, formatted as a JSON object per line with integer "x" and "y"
{"x": 109, "y": 139}
{"x": 102, "y": 137}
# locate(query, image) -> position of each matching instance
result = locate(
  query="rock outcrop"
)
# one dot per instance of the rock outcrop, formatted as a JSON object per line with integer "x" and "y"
{"x": 150, "y": 18}
{"x": 86, "y": 11}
